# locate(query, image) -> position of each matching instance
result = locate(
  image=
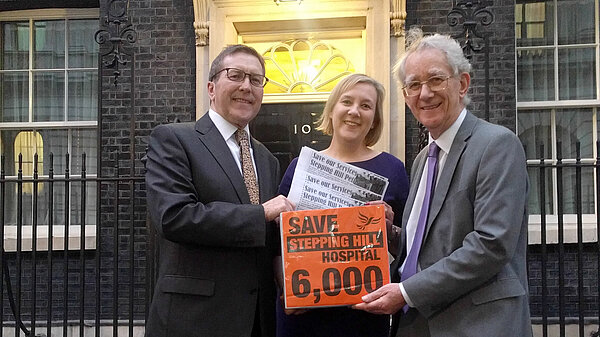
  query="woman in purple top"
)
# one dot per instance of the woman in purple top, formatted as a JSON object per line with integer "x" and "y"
{"x": 353, "y": 117}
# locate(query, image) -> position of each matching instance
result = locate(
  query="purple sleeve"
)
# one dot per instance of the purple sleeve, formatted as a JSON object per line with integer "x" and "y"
{"x": 399, "y": 191}
{"x": 286, "y": 181}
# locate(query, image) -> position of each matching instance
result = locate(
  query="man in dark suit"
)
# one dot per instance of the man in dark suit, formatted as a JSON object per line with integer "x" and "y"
{"x": 461, "y": 270}
{"x": 213, "y": 207}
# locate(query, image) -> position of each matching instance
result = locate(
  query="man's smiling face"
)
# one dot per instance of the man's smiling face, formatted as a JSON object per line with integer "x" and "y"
{"x": 436, "y": 110}
{"x": 237, "y": 102}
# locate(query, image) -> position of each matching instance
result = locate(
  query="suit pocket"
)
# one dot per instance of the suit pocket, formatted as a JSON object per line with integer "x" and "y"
{"x": 504, "y": 288}
{"x": 187, "y": 285}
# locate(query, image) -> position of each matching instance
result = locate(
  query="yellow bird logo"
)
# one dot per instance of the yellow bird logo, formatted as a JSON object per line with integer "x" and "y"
{"x": 365, "y": 221}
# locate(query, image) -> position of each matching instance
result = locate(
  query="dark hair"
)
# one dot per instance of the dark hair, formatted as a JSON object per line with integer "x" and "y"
{"x": 230, "y": 50}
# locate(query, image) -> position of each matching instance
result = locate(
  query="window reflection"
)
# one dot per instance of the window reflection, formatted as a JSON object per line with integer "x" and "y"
{"x": 48, "y": 96}
{"x": 83, "y": 141}
{"x": 534, "y": 23}
{"x": 50, "y": 131}
{"x": 15, "y": 45}
{"x": 83, "y": 49}
{"x": 535, "y": 127}
{"x": 534, "y": 130}
{"x": 540, "y": 190}
{"x": 83, "y": 104}
{"x": 575, "y": 22}
{"x": 27, "y": 145}
{"x": 556, "y": 80}
{"x": 572, "y": 126}
{"x": 15, "y": 97}
{"x": 49, "y": 44}
{"x": 57, "y": 143}
{"x": 577, "y": 73}
{"x": 535, "y": 75}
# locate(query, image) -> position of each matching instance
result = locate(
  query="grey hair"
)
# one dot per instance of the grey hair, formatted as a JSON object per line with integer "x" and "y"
{"x": 417, "y": 41}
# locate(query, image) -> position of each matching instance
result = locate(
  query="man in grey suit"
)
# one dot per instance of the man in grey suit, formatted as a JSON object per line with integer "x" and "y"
{"x": 469, "y": 276}
{"x": 212, "y": 201}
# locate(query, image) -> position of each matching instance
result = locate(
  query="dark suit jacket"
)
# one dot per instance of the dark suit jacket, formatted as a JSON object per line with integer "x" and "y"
{"x": 216, "y": 250}
{"x": 473, "y": 278}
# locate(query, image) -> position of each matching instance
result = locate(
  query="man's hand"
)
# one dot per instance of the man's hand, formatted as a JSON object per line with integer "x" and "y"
{"x": 277, "y": 205}
{"x": 385, "y": 300}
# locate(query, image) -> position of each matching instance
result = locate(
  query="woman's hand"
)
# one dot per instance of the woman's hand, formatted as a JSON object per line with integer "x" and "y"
{"x": 288, "y": 312}
{"x": 393, "y": 232}
{"x": 389, "y": 213}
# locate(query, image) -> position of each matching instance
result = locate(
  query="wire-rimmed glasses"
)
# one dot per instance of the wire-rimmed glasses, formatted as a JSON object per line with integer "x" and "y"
{"x": 238, "y": 75}
{"x": 434, "y": 83}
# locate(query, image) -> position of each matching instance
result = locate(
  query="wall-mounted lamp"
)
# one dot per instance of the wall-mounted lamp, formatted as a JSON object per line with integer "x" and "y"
{"x": 282, "y": 1}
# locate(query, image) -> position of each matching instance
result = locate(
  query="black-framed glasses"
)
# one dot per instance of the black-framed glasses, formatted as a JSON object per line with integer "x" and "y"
{"x": 435, "y": 83}
{"x": 238, "y": 75}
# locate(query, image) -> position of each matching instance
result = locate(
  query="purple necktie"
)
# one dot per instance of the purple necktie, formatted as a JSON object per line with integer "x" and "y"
{"x": 410, "y": 266}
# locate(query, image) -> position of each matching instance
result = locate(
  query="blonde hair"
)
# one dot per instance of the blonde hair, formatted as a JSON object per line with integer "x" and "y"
{"x": 324, "y": 122}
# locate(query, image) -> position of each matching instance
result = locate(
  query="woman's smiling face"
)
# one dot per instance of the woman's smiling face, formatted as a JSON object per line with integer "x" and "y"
{"x": 353, "y": 114}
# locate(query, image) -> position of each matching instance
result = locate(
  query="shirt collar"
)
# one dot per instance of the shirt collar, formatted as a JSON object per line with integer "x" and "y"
{"x": 225, "y": 128}
{"x": 444, "y": 141}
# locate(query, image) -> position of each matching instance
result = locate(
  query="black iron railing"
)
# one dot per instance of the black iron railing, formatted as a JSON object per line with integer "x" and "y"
{"x": 96, "y": 271}
{"x": 564, "y": 274}
{"x": 67, "y": 268}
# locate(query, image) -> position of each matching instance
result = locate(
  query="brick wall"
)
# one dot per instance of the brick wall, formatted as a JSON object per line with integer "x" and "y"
{"x": 432, "y": 17}
{"x": 164, "y": 80}
{"x": 570, "y": 291}
{"x": 163, "y": 59}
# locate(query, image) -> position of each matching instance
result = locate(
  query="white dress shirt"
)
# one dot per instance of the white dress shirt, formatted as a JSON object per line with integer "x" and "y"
{"x": 444, "y": 142}
{"x": 228, "y": 130}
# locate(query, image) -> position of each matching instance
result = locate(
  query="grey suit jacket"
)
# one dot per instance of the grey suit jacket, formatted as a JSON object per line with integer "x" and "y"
{"x": 216, "y": 250}
{"x": 473, "y": 279}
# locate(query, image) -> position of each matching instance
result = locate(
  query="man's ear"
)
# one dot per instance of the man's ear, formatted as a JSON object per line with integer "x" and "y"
{"x": 465, "y": 81}
{"x": 210, "y": 88}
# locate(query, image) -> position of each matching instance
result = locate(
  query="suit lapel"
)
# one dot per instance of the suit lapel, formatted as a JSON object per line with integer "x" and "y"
{"x": 262, "y": 169}
{"x": 445, "y": 178}
{"x": 213, "y": 140}
{"x": 418, "y": 166}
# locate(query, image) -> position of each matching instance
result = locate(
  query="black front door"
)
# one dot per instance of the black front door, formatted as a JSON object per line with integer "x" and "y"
{"x": 285, "y": 127}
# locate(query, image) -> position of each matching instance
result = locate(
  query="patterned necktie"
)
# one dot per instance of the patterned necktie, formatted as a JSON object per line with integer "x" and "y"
{"x": 410, "y": 266}
{"x": 247, "y": 167}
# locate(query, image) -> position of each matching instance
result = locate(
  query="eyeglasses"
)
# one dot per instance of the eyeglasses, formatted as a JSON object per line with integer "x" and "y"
{"x": 435, "y": 83}
{"x": 238, "y": 75}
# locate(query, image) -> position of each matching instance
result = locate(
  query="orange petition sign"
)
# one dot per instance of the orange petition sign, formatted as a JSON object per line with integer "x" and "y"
{"x": 333, "y": 257}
